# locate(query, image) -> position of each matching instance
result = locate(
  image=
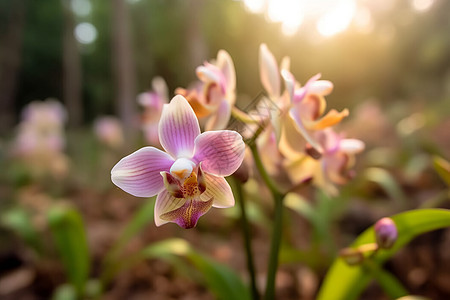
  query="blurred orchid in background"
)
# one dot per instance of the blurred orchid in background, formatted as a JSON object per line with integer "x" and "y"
{"x": 189, "y": 176}
{"x": 308, "y": 106}
{"x": 213, "y": 97}
{"x": 152, "y": 102}
{"x": 328, "y": 168}
{"x": 108, "y": 130}
{"x": 40, "y": 139}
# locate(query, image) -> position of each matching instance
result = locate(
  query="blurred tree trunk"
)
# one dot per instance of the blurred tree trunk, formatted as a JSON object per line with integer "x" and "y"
{"x": 124, "y": 71}
{"x": 10, "y": 63}
{"x": 198, "y": 51}
{"x": 71, "y": 69}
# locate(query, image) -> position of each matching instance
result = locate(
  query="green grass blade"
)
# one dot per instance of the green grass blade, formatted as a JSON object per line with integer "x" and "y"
{"x": 69, "y": 235}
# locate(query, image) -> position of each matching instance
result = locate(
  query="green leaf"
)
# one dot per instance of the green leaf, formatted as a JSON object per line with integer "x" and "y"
{"x": 140, "y": 219}
{"x": 19, "y": 221}
{"x": 347, "y": 282}
{"x": 221, "y": 280}
{"x": 69, "y": 235}
{"x": 385, "y": 180}
{"x": 442, "y": 167}
{"x": 65, "y": 292}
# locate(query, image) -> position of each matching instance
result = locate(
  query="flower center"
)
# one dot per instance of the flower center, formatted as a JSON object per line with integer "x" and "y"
{"x": 182, "y": 168}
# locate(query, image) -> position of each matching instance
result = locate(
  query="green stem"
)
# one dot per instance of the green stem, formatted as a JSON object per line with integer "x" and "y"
{"x": 262, "y": 171}
{"x": 274, "y": 247}
{"x": 277, "y": 225}
{"x": 247, "y": 238}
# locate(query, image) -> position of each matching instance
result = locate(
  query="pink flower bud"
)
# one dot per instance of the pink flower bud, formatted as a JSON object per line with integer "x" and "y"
{"x": 385, "y": 233}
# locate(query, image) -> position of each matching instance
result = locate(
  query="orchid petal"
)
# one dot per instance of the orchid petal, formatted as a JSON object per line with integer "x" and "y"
{"x": 351, "y": 146}
{"x": 220, "y": 152}
{"x": 289, "y": 82}
{"x": 178, "y": 127}
{"x": 218, "y": 189}
{"x": 220, "y": 119}
{"x": 294, "y": 113}
{"x": 225, "y": 64}
{"x": 139, "y": 172}
{"x": 321, "y": 87}
{"x": 285, "y": 63}
{"x": 331, "y": 118}
{"x": 166, "y": 203}
{"x": 187, "y": 215}
{"x": 268, "y": 70}
{"x": 208, "y": 73}
{"x": 160, "y": 88}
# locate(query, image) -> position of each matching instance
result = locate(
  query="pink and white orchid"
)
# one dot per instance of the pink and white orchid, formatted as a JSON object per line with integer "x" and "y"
{"x": 330, "y": 167}
{"x": 213, "y": 97}
{"x": 308, "y": 106}
{"x": 152, "y": 102}
{"x": 189, "y": 177}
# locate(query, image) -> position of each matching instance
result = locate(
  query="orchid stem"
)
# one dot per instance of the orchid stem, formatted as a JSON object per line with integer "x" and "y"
{"x": 277, "y": 225}
{"x": 274, "y": 247}
{"x": 247, "y": 238}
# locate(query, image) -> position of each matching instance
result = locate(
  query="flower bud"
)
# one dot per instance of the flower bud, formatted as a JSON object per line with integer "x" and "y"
{"x": 385, "y": 233}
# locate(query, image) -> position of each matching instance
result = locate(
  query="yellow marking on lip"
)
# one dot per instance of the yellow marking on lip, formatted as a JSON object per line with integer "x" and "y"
{"x": 180, "y": 173}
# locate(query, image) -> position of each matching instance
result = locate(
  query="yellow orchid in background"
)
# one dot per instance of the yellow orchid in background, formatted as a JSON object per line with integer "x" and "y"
{"x": 214, "y": 95}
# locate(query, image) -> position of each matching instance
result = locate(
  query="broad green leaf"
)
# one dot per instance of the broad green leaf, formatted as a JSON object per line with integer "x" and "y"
{"x": 347, "y": 282}
{"x": 442, "y": 167}
{"x": 69, "y": 235}
{"x": 221, "y": 280}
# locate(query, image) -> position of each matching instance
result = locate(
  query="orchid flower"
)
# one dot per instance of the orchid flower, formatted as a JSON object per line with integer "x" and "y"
{"x": 328, "y": 168}
{"x": 213, "y": 97}
{"x": 40, "y": 138}
{"x": 108, "y": 130}
{"x": 189, "y": 177}
{"x": 308, "y": 106}
{"x": 152, "y": 102}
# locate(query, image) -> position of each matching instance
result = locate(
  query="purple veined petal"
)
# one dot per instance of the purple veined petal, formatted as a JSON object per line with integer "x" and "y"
{"x": 139, "y": 172}
{"x": 218, "y": 189}
{"x": 219, "y": 120}
{"x": 186, "y": 215}
{"x": 268, "y": 70}
{"x": 178, "y": 127}
{"x": 165, "y": 203}
{"x": 220, "y": 152}
{"x": 225, "y": 64}
{"x": 294, "y": 113}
